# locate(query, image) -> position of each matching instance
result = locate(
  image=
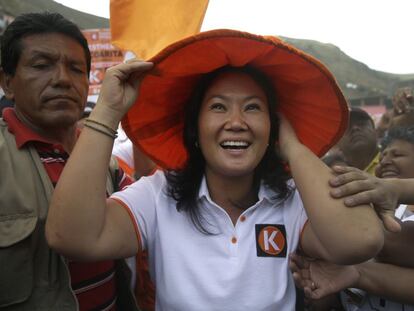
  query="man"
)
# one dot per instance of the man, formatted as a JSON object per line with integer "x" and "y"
{"x": 359, "y": 143}
{"x": 45, "y": 66}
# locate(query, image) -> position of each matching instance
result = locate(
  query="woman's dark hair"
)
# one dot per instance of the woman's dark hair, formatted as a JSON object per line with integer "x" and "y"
{"x": 32, "y": 24}
{"x": 184, "y": 184}
{"x": 400, "y": 133}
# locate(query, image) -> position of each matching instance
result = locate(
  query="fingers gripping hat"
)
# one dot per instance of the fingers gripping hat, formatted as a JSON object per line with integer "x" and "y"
{"x": 307, "y": 93}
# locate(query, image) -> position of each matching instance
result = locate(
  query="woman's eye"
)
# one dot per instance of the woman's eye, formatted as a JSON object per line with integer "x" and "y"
{"x": 217, "y": 106}
{"x": 250, "y": 107}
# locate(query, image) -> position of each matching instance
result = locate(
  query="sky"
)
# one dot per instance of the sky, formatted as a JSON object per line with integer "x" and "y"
{"x": 378, "y": 33}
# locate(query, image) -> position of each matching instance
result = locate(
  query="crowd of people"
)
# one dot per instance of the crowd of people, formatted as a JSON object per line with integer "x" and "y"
{"x": 242, "y": 192}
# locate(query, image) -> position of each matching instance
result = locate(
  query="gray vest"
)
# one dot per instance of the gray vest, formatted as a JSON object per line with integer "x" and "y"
{"x": 32, "y": 276}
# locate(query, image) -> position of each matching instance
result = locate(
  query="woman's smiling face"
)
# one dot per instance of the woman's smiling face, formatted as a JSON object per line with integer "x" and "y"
{"x": 233, "y": 125}
{"x": 397, "y": 160}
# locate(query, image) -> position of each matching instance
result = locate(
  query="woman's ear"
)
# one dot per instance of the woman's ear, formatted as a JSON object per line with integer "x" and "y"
{"x": 5, "y": 82}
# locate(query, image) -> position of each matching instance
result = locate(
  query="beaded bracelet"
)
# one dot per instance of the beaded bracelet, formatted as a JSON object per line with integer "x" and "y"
{"x": 93, "y": 127}
{"x": 110, "y": 129}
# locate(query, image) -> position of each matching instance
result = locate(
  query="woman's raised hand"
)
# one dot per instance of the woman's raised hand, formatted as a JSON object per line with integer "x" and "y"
{"x": 119, "y": 90}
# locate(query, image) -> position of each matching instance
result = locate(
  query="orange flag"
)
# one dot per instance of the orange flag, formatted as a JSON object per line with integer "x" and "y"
{"x": 147, "y": 26}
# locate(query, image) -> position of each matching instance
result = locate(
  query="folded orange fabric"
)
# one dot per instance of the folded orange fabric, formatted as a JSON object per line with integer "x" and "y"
{"x": 307, "y": 92}
{"x": 147, "y": 26}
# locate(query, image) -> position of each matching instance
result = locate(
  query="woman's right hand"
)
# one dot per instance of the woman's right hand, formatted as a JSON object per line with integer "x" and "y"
{"x": 119, "y": 90}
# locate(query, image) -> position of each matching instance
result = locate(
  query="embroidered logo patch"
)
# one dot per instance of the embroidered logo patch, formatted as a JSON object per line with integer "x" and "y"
{"x": 271, "y": 240}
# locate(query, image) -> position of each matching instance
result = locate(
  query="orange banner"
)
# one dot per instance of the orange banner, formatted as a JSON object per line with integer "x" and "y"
{"x": 147, "y": 26}
{"x": 104, "y": 55}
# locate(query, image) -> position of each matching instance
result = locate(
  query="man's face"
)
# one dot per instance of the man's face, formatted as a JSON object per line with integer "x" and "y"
{"x": 359, "y": 137}
{"x": 50, "y": 85}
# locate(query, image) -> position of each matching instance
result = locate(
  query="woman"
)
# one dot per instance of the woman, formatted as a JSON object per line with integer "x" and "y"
{"x": 218, "y": 225}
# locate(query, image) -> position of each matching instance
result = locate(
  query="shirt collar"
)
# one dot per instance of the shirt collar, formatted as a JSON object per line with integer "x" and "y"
{"x": 22, "y": 133}
{"x": 264, "y": 192}
{"x": 203, "y": 191}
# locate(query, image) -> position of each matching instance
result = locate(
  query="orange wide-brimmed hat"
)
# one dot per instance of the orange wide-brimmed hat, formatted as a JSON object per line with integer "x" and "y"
{"x": 307, "y": 92}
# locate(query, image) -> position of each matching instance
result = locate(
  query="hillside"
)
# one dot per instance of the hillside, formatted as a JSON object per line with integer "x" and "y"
{"x": 356, "y": 79}
{"x": 350, "y": 72}
{"x": 83, "y": 20}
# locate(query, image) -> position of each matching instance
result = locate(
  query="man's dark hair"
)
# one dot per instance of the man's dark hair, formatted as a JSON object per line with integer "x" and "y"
{"x": 398, "y": 133}
{"x": 184, "y": 184}
{"x": 36, "y": 23}
{"x": 358, "y": 114}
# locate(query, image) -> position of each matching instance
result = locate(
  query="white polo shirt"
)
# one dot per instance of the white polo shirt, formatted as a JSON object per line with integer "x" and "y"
{"x": 241, "y": 267}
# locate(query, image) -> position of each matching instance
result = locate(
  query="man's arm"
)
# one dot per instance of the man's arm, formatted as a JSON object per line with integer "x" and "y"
{"x": 359, "y": 187}
{"x": 399, "y": 247}
{"x": 385, "y": 280}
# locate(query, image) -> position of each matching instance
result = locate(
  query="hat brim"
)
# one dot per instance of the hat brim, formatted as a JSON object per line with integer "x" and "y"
{"x": 307, "y": 92}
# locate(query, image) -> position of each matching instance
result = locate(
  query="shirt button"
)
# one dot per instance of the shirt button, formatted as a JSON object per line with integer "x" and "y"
{"x": 242, "y": 218}
{"x": 234, "y": 240}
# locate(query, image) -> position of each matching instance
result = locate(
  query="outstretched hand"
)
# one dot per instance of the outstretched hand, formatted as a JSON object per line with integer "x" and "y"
{"x": 120, "y": 88}
{"x": 320, "y": 278}
{"x": 358, "y": 187}
{"x": 403, "y": 101}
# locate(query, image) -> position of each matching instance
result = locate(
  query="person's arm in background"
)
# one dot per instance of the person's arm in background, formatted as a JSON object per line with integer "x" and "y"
{"x": 328, "y": 234}
{"x": 384, "y": 123}
{"x": 399, "y": 247}
{"x": 357, "y": 187}
{"x": 403, "y": 102}
{"x": 319, "y": 278}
